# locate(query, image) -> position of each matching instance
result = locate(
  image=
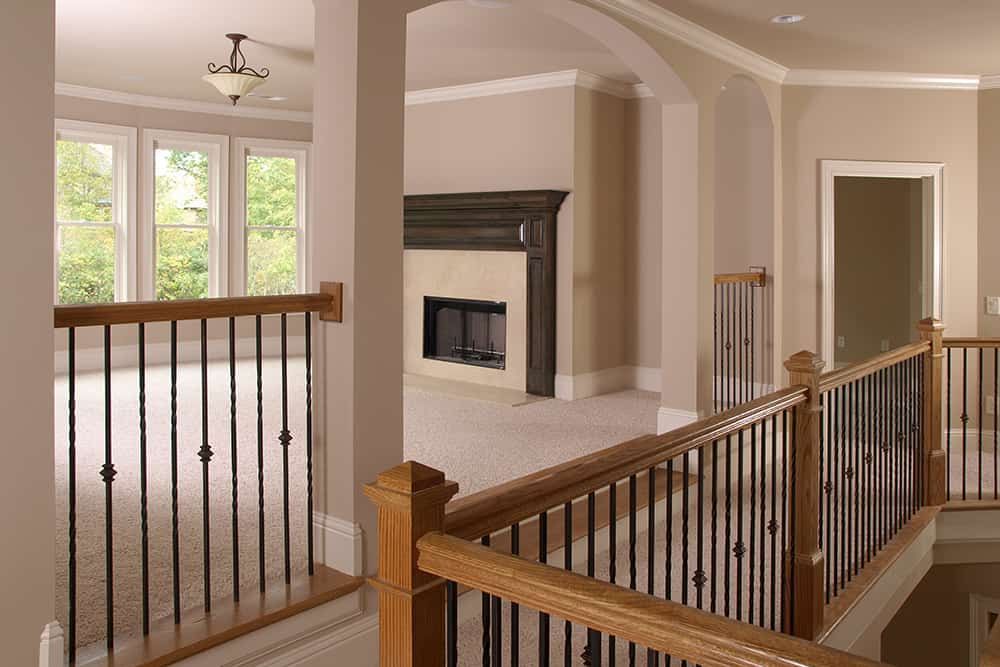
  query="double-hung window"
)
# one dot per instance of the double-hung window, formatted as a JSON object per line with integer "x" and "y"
{"x": 95, "y": 183}
{"x": 185, "y": 203}
{"x": 269, "y": 225}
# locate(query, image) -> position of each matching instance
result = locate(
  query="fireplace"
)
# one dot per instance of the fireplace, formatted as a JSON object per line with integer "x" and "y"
{"x": 465, "y": 331}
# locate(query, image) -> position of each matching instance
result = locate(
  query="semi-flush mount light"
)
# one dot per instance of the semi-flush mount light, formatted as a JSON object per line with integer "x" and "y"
{"x": 235, "y": 79}
{"x": 489, "y": 4}
{"x": 786, "y": 19}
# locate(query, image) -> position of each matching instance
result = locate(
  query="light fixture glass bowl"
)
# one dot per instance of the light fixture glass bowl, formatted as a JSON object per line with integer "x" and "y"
{"x": 233, "y": 86}
{"x": 786, "y": 19}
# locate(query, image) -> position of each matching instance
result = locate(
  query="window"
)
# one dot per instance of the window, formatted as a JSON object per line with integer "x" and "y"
{"x": 270, "y": 224}
{"x": 185, "y": 206}
{"x": 94, "y": 213}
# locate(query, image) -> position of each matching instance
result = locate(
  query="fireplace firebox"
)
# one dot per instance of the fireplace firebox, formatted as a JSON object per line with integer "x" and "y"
{"x": 466, "y": 331}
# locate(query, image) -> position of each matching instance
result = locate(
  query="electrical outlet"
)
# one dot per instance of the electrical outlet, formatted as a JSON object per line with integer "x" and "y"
{"x": 884, "y": 345}
{"x": 841, "y": 342}
{"x": 990, "y": 405}
{"x": 993, "y": 305}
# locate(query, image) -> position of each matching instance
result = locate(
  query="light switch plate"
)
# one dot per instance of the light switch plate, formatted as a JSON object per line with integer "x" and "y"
{"x": 993, "y": 305}
{"x": 884, "y": 345}
{"x": 841, "y": 342}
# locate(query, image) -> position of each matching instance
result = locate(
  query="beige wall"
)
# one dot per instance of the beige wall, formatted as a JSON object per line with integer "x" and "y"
{"x": 875, "y": 261}
{"x": 989, "y": 207}
{"x": 643, "y": 231}
{"x": 486, "y": 276}
{"x": 873, "y": 124}
{"x": 27, "y": 559}
{"x": 932, "y": 627}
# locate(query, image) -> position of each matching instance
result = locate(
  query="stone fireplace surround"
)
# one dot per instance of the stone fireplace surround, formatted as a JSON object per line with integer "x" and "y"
{"x": 501, "y": 222}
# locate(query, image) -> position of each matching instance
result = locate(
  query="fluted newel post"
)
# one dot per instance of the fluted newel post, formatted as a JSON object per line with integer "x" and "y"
{"x": 411, "y": 499}
{"x": 805, "y": 562}
{"x": 932, "y": 331}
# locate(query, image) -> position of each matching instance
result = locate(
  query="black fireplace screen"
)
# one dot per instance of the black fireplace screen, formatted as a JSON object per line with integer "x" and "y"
{"x": 465, "y": 331}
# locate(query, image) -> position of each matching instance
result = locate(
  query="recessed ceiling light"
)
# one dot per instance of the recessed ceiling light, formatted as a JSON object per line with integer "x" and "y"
{"x": 489, "y": 4}
{"x": 786, "y": 19}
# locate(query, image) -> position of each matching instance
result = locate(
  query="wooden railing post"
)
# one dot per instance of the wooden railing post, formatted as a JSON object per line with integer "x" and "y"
{"x": 411, "y": 499}
{"x": 932, "y": 331}
{"x": 806, "y": 560}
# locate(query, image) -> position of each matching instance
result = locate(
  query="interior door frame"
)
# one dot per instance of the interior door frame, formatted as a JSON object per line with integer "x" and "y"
{"x": 933, "y": 231}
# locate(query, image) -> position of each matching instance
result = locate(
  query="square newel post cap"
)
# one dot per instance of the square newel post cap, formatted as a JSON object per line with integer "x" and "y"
{"x": 930, "y": 325}
{"x": 409, "y": 483}
{"x": 805, "y": 362}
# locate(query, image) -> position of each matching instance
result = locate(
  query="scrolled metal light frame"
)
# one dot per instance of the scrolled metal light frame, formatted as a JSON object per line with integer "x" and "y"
{"x": 237, "y": 61}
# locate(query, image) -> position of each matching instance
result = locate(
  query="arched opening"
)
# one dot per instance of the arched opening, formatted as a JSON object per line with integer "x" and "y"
{"x": 744, "y": 238}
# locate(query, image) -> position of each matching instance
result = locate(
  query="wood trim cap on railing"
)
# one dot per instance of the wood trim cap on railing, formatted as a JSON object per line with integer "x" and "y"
{"x": 691, "y": 634}
{"x": 328, "y": 302}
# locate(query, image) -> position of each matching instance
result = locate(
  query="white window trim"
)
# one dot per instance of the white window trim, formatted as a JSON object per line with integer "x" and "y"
{"x": 124, "y": 146}
{"x": 301, "y": 152}
{"x": 217, "y": 147}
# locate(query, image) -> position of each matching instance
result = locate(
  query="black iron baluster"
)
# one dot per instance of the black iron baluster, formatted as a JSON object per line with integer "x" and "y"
{"x": 496, "y": 649}
{"x": 965, "y": 417}
{"x": 790, "y": 576}
{"x": 763, "y": 520}
{"x": 883, "y": 498}
{"x": 866, "y": 401}
{"x": 669, "y": 553}
{"x": 143, "y": 480}
{"x": 979, "y": 405}
{"x": 838, "y": 527}
{"x": 652, "y": 657}
{"x": 772, "y": 526}
{"x": 856, "y": 447}
{"x": 71, "y": 574}
{"x": 700, "y": 579}
{"x": 828, "y": 444}
{"x": 593, "y": 654}
{"x": 715, "y": 348}
{"x": 515, "y": 609}
{"x": 451, "y": 624}
{"x": 568, "y": 565}
{"x": 543, "y": 619}
{"x": 205, "y": 455}
{"x": 728, "y": 522}
{"x": 309, "y": 447}
{"x": 750, "y": 341}
{"x": 713, "y": 605}
{"x": 108, "y": 475}
{"x": 996, "y": 424}
{"x": 612, "y": 552}
{"x": 487, "y": 645}
{"x": 175, "y": 532}
{"x": 631, "y": 551}
{"x": 261, "y": 565}
{"x": 233, "y": 458}
{"x": 947, "y": 431}
{"x": 739, "y": 549}
{"x": 685, "y": 532}
{"x": 285, "y": 438}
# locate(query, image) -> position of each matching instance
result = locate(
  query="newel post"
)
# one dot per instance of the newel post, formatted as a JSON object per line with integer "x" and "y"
{"x": 932, "y": 331}
{"x": 411, "y": 499}
{"x": 806, "y": 559}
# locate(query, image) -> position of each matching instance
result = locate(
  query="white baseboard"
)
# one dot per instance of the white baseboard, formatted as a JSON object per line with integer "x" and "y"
{"x": 125, "y": 356}
{"x": 336, "y": 633}
{"x": 341, "y": 543}
{"x": 667, "y": 419}
{"x": 51, "y": 646}
{"x": 585, "y": 385}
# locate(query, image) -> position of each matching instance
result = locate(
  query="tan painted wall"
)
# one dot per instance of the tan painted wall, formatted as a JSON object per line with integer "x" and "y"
{"x": 932, "y": 628}
{"x": 487, "y": 276}
{"x": 643, "y": 231}
{"x": 871, "y": 124}
{"x": 875, "y": 261}
{"x": 989, "y": 207}
{"x": 598, "y": 233}
{"x": 27, "y": 559}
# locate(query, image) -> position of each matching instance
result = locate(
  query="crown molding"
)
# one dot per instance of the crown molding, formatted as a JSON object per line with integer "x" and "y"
{"x": 688, "y": 32}
{"x": 175, "y": 104}
{"x": 519, "y": 84}
{"x": 864, "y": 79}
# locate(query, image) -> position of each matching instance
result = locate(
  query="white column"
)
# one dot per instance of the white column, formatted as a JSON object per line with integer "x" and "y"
{"x": 27, "y": 512}
{"x": 357, "y": 238}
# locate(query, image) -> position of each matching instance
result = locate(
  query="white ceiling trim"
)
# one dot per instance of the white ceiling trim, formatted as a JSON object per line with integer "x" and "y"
{"x": 677, "y": 27}
{"x": 175, "y": 104}
{"x": 566, "y": 79}
{"x": 863, "y": 79}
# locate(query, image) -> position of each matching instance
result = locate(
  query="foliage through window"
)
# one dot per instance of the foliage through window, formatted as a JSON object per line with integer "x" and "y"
{"x": 181, "y": 224}
{"x": 87, "y": 234}
{"x": 272, "y": 229}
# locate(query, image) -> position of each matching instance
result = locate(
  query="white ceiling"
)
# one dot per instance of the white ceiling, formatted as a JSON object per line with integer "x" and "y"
{"x": 162, "y": 47}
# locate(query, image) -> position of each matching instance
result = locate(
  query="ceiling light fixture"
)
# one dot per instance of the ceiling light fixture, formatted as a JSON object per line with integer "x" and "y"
{"x": 787, "y": 19}
{"x": 489, "y": 4}
{"x": 235, "y": 79}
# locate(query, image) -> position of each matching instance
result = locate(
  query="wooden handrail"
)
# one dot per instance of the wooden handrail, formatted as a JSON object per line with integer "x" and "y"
{"x": 501, "y": 506}
{"x": 758, "y": 278}
{"x": 328, "y": 302}
{"x": 671, "y": 628}
{"x": 848, "y": 374}
{"x": 971, "y": 342}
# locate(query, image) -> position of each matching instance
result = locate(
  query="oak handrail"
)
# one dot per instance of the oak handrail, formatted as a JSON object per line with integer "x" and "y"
{"x": 668, "y": 627}
{"x": 848, "y": 374}
{"x": 328, "y": 302}
{"x": 758, "y": 278}
{"x": 501, "y": 506}
{"x": 971, "y": 342}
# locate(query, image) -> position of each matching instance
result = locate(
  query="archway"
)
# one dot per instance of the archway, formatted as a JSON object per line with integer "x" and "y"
{"x": 744, "y": 220}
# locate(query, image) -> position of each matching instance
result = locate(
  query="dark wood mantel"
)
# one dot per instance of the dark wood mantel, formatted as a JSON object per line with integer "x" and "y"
{"x": 519, "y": 221}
